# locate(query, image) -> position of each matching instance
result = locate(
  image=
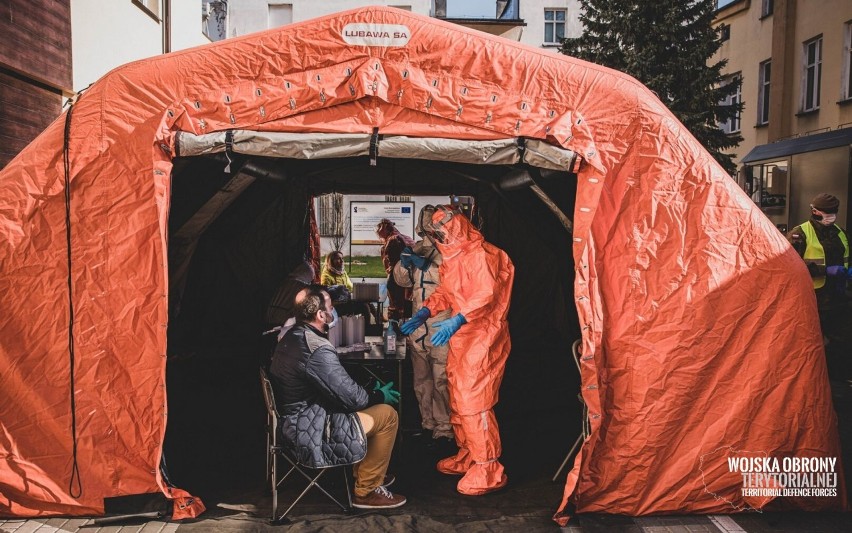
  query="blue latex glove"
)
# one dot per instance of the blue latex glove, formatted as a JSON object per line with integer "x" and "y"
{"x": 416, "y": 321}
{"x": 446, "y": 329}
{"x": 836, "y": 271}
{"x": 391, "y": 395}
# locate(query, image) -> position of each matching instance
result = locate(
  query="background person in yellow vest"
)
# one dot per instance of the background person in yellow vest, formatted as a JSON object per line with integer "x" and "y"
{"x": 824, "y": 247}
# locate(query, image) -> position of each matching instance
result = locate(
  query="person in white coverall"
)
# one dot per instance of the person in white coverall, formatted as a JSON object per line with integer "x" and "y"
{"x": 418, "y": 269}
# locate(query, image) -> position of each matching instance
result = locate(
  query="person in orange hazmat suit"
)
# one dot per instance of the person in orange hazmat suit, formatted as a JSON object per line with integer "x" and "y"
{"x": 476, "y": 283}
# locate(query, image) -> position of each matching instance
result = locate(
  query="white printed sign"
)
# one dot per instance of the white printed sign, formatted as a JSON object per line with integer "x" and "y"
{"x": 364, "y": 217}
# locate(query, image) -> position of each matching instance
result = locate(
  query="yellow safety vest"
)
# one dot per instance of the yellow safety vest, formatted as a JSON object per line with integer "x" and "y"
{"x": 815, "y": 253}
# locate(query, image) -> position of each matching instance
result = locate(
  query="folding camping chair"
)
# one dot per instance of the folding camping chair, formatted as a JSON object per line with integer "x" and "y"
{"x": 585, "y": 429}
{"x": 274, "y": 450}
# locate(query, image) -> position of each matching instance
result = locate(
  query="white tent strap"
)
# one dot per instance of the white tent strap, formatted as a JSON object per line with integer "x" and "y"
{"x": 499, "y": 152}
{"x": 543, "y": 155}
{"x": 332, "y": 145}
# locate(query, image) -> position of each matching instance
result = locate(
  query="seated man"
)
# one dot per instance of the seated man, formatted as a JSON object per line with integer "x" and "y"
{"x": 316, "y": 396}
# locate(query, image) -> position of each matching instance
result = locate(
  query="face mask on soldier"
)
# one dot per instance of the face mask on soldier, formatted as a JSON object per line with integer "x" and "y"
{"x": 825, "y": 219}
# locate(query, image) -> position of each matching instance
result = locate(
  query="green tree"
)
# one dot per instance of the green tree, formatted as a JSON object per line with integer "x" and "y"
{"x": 667, "y": 45}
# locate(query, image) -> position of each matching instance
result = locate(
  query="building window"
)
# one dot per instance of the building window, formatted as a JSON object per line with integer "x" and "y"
{"x": 724, "y": 32}
{"x": 846, "y": 75}
{"x": 812, "y": 71}
{"x": 764, "y": 77}
{"x": 766, "y": 8}
{"x": 554, "y": 26}
{"x": 404, "y": 8}
{"x": 214, "y": 19}
{"x": 732, "y": 125}
{"x": 279, "y": 15}
{"x": 332, "y": 220}
{"x": 151, "y": 7}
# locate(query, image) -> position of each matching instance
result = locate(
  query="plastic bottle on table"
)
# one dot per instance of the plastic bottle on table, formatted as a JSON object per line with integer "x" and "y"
{"x": 390, "y": 338}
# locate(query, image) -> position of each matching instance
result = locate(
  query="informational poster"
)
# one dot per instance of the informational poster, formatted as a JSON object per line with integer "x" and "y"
{"x": 364, "y": 217}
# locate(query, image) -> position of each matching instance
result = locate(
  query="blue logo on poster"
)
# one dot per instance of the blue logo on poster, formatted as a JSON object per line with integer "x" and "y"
{"x": 406, "y": 210}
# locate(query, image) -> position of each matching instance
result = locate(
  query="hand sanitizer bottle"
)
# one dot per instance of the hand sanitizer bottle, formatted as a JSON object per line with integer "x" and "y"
{"x": 390, "y": 339}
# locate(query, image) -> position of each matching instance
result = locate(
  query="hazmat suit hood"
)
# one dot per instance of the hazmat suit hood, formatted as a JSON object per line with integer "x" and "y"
{"x": 426, "y": 248}
{"x": 456, "y": 234}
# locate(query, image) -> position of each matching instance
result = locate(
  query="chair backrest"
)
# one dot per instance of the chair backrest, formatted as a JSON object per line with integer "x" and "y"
{"x": 268, "y": 395}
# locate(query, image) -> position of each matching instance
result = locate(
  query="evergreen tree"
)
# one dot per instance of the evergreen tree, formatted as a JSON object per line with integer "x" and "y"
{"x": 665, "y": 44}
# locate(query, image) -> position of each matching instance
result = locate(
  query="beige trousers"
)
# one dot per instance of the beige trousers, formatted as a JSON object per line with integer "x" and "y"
{"x": 380, "y": 423}
{"x": 430, "y": 386}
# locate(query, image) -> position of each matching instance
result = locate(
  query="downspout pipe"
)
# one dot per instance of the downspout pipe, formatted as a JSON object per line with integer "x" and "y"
{"x": 167, "y": 26}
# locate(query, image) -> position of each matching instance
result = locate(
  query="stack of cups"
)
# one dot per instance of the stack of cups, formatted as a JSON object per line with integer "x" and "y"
{"x": 353, "y": 330}
{"x": 349, "y": 331}
{"x": 358, "y": 327}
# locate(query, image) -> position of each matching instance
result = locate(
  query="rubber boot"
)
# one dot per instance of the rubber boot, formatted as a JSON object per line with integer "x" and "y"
{"x": 482, "y": 440}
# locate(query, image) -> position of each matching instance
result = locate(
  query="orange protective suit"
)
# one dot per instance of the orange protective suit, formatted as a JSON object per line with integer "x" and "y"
{"x": 476, "y": 281}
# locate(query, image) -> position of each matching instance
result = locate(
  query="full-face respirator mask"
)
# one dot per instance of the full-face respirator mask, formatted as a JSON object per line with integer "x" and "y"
{"x": 436, "y": 230}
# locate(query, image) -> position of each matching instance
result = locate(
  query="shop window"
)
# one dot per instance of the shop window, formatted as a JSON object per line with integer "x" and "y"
{"x": 768, "y": 186}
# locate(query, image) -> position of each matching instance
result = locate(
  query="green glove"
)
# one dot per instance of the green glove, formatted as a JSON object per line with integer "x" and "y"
{"x": 391, "y": 395}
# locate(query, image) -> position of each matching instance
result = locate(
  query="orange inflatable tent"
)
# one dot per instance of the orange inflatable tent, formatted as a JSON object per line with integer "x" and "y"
{"x": 700, "y": 337}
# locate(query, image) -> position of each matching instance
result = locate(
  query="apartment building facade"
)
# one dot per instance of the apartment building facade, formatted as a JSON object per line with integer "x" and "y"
{"x": 35, "y": 69}
{"x": 52, "y": 49}
{"x": 795, "y": 62}
{"x": 109, "y": 34}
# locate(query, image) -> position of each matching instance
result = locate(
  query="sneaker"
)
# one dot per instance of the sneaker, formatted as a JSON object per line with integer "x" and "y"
{"x": 388, "y": 480}
{"x": 380, "y": 498}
